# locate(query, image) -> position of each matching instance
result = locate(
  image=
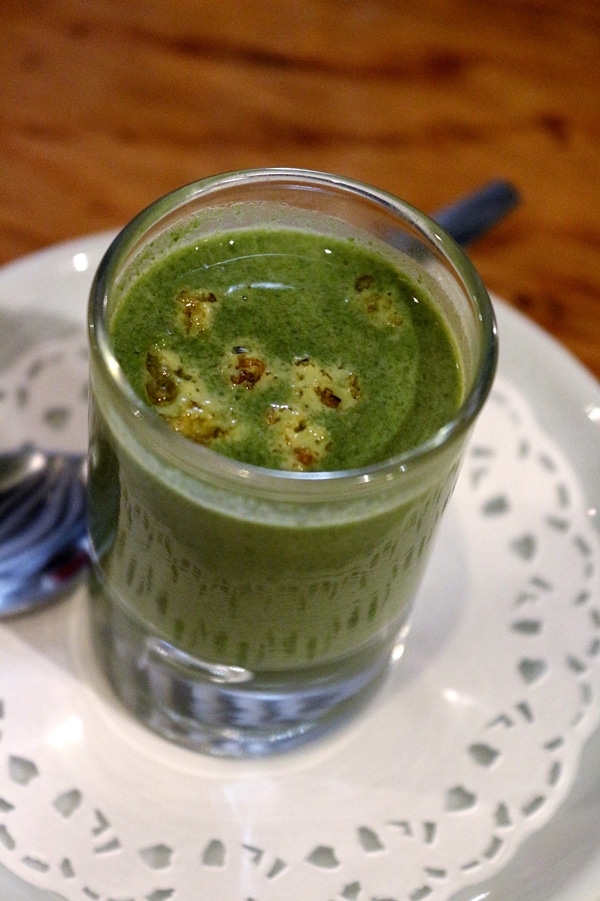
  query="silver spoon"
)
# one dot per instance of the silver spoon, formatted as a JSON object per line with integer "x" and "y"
{"x": 16, "y": 468}
{"x": 43, "y": 527}
{"x": 43, "y": 507}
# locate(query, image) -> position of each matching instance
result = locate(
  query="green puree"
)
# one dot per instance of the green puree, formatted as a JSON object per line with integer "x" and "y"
{"x": 288, "y": 349}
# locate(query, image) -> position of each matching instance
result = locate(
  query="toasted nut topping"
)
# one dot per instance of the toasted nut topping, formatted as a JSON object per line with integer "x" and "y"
{"x": 327, "y": 397}
{"x": 198, "y": 425}
{"x": 363, "y": 282}
{"x": 354, "y": 386}
{"x": 332, "y": 387}
{"x": 304, "y": 457}
{"x": 296, "y": 437}
{"x": 380, "y": 308}
{"x": 161, "y": 383}
{"x": 249, "y": 371}
{"x": 195, "y": 310}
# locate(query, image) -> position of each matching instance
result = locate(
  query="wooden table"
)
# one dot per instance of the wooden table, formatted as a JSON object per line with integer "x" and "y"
{"x": 107, "y": 104}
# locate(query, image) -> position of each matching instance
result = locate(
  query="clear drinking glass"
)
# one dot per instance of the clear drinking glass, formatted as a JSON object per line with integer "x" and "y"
{"x": 237, "y": 609}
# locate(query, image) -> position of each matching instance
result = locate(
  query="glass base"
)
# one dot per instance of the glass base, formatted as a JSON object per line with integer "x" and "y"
{"x": 228, "y": 711}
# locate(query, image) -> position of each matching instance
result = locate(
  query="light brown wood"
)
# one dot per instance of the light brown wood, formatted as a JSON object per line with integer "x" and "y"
{"x": 106, "y": 104}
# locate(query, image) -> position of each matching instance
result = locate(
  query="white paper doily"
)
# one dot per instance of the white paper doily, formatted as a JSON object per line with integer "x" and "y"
{"x": 471, "y": 745}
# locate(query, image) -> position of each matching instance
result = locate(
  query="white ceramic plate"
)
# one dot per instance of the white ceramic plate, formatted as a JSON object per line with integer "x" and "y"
{"x": 555, "y": 854}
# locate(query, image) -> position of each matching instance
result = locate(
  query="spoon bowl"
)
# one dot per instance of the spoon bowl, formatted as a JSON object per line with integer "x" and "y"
{"x": 16, "y": 468}
{"x": 43, "y": 526}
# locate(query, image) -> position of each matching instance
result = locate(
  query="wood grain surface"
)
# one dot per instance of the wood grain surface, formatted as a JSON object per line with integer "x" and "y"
{"x": 106, "y": 104}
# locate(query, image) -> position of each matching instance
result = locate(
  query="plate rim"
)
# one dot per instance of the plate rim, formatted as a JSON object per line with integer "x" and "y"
{"x": 581, "y": 385}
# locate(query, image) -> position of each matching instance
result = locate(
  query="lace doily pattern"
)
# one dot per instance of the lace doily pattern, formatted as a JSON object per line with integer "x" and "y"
{"x": 470, "y": 746}
{"x": 43, "y": 396}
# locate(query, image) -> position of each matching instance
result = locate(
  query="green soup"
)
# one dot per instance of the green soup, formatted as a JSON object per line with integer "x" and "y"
{"x": 289, "y": 350}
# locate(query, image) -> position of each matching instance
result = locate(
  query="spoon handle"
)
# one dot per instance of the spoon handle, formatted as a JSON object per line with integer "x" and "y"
{"x": 473, "y": 215}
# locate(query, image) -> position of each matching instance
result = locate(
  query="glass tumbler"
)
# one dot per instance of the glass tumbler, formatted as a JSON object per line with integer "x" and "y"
{"x": 235, "y": 609}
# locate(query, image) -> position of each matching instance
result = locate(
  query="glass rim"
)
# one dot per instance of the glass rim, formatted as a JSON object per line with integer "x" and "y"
{"x": 223, "y": 466}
